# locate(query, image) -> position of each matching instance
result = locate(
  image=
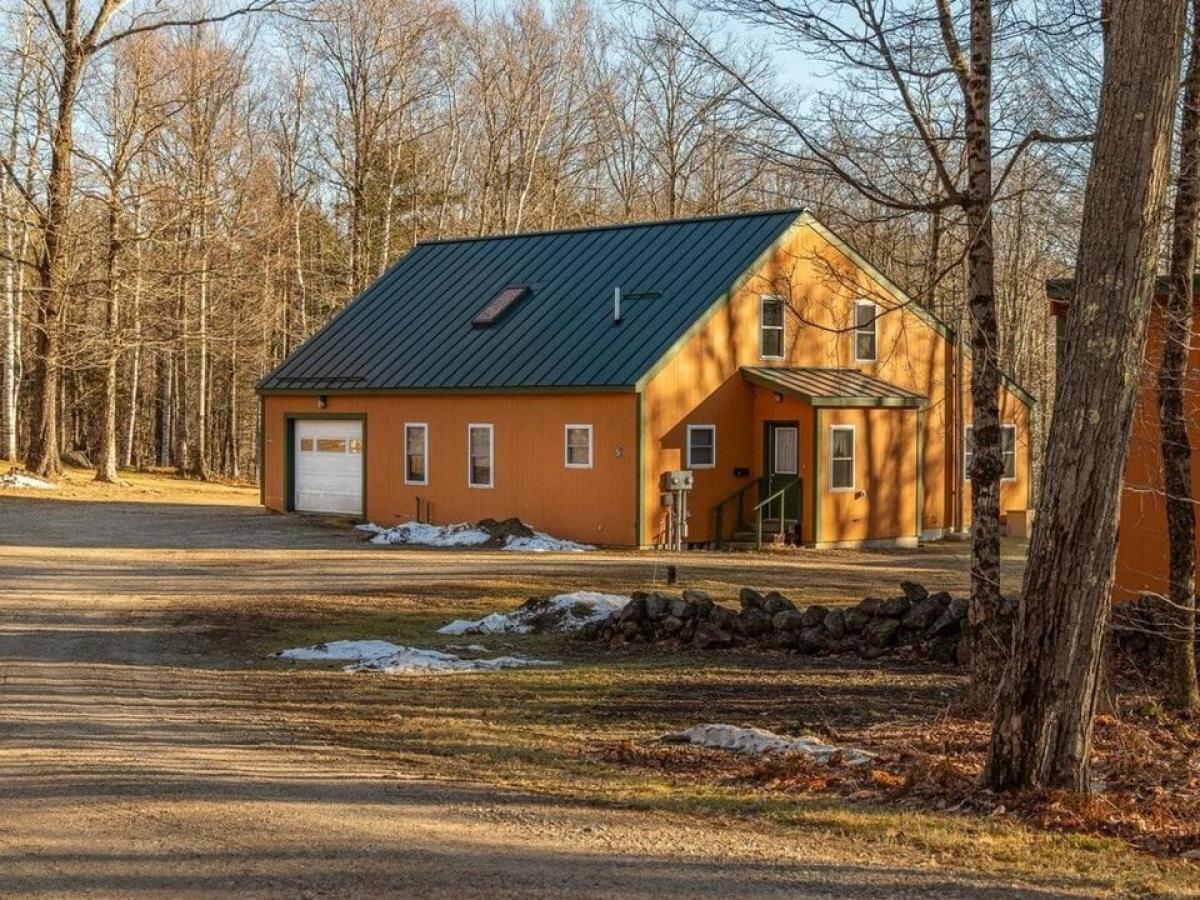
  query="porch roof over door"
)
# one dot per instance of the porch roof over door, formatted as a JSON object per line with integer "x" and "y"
{"x": 837, "y": 387}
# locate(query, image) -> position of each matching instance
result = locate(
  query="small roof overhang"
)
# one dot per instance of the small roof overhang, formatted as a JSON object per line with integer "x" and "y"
{"x": 839, "y": 387}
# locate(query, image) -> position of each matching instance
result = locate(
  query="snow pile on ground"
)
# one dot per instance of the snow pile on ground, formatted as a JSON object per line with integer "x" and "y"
{"x": 341, "y": 650}
{"x": 511, "y": 534}
{"x": 563, "y": 612}
{"x": 461, "y": 535}
{"x": 394, "y": 659}
{"x": 15, "y": 479}
{"x": 541, "y": 542}
{"x": 759, "y": 740}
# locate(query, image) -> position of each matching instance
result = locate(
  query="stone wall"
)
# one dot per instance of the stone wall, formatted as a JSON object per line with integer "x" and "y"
{"x": 932, "y": 624}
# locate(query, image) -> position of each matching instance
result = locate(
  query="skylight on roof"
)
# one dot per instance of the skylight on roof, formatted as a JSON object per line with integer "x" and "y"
{"x": 499, "y": 304}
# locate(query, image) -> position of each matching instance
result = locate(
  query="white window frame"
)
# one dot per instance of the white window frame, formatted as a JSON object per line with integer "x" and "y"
{"x": 424, "y": 426}
{"x": 688, "y": 454}
{"x": 763, "y": 327}
{"x": 491, "y": 432}
{"x": 567, "y": 446}
{"x": 833, "y": 489}
{"x": 1004, "y": 426}
{"x": 857, "y": 329}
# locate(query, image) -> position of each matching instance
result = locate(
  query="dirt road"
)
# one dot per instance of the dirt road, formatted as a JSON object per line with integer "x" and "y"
{"x": 134, "y": 761}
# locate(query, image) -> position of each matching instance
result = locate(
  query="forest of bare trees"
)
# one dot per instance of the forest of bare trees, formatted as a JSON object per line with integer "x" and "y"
{"x": 189, "y": 192}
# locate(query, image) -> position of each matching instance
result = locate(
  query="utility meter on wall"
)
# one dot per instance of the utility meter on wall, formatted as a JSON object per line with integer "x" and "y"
{"x": 679, "y": 480}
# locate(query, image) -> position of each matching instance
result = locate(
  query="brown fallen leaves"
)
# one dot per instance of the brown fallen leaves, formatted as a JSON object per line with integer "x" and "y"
{"x": 1146, "y": 775}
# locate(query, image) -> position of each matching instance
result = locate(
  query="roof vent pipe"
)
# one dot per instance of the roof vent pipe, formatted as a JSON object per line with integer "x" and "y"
{"x": 617, "y": 305}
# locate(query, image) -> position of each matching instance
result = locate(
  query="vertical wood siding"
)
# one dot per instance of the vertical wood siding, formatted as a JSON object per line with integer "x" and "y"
{"x": 700, "y": 384}
{"x": 531, "y": 479}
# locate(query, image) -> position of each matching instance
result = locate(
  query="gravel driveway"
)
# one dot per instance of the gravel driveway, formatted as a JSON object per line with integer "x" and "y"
{"x": 133, "y": 763}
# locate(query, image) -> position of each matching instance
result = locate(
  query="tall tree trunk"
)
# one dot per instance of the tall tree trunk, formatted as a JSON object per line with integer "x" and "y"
{"x": 298, "y": 265}
{"x": 106, "y": 463}
{"x": 43, "y": 452}
{"x": 181, "y": 434}
{"x": 1182, "y": 691}
{"x": 1043, "y": 727}
{"x": 989, "y": 650}
{"x": 8, "y": 392}
{"x": 164, "y": 404}
{"x": 135, "y": 368}
{"x": 200, "y": 459}
{"x": 231, "y": 445}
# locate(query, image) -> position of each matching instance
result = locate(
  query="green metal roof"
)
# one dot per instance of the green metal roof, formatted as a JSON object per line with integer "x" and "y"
{"x": 838, "y": 387}
{"x": 412, "y": 329}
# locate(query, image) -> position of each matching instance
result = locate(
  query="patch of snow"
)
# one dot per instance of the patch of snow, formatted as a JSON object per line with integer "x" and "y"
{"x": 394, "y": 659}
{"x": 21, "y": 480}
{"x": 759, "y": 740}
{"x": 544, "y": 543}
{"x": 414, "y": 661}
{"x": 465, "y": 534}
{"x": 343, "y": 650}
{"x": 496, "y": 623}
{"x": 563, "y": 612}
{"x": 460, "y": 535}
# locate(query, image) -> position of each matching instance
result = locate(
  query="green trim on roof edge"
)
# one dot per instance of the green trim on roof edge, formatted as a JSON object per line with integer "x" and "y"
{"x": 1064, "y": 288}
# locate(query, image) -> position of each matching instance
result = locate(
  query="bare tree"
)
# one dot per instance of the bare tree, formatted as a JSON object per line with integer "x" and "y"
{"x": 1043, "y": 725}
{"x": 78, "y": 38}
{"x": 16, "y": 225}
{"x": 1182, "y": 691}
{"x": 129, "y": 121}
{"x": 908, "y": 58}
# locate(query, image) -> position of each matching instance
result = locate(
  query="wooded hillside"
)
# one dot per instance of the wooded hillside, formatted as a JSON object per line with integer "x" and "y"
{"x": 231, "y": 176}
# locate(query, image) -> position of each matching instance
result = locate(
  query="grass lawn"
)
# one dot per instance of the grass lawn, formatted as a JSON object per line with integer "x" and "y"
{"x": 586, "y": 731}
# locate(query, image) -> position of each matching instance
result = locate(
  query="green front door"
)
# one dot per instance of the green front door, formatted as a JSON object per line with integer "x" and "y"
{"x": 781, "y": 448}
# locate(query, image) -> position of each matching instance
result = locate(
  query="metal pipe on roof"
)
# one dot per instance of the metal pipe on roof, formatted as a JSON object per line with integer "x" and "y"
{"x": 617, "y": 305}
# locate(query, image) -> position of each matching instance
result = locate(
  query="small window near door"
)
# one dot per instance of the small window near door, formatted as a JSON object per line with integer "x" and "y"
{"x": 416, "y": 449}
{"x": 355, "y": 446}
{"x": 331, "y": 445}
{"x": 786, "y": 452}
{"x": 306, "y": 444}
{"x": 1008, "y": 447}
{"x": 771, "y": 328}
{"x": 479, "y": 463}
{"x": 701, "y": 446}
{"x": 579, "y": 446}
{"x": 866, "y": 316}
{"x": 841, "y": 457}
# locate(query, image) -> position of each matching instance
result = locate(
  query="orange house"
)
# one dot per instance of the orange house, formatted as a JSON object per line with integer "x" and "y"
{"x": 1142, "y": 564}
{"x": 559, "y": 377}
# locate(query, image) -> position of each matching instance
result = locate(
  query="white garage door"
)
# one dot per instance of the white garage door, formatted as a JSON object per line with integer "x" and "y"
{"x": 329, "y": 466}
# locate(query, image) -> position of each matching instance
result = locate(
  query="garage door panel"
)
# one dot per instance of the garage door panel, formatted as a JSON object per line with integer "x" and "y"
{"x": 328, "y": 466}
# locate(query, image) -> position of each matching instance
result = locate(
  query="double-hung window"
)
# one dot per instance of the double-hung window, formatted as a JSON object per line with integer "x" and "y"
{"x": 578, "y": 447}
{"x": 1008, "y": 447}
{"x": 866, "y": 316}
{"x": 416, "y": 453}
{"x": 701, "y": 446}
{"x": 770, "y": 327}
{"x": 841, "y": 457}
{"x": 480, "y": 447}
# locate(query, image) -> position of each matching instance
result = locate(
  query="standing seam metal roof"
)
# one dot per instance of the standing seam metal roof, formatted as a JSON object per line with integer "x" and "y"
{"x": 832, "y": 387}
{"x": 412, "y": 329}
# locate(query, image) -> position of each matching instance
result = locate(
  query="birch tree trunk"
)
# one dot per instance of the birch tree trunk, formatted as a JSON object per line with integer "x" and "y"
{"x": 106, "y": 464}
{"x": 135, "y": 368}
{"x": 989, "y": 649}
{"x": 1182, "y": 692}
{"x": 8, "y": 391}
{"x": 1043, "y": 726}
